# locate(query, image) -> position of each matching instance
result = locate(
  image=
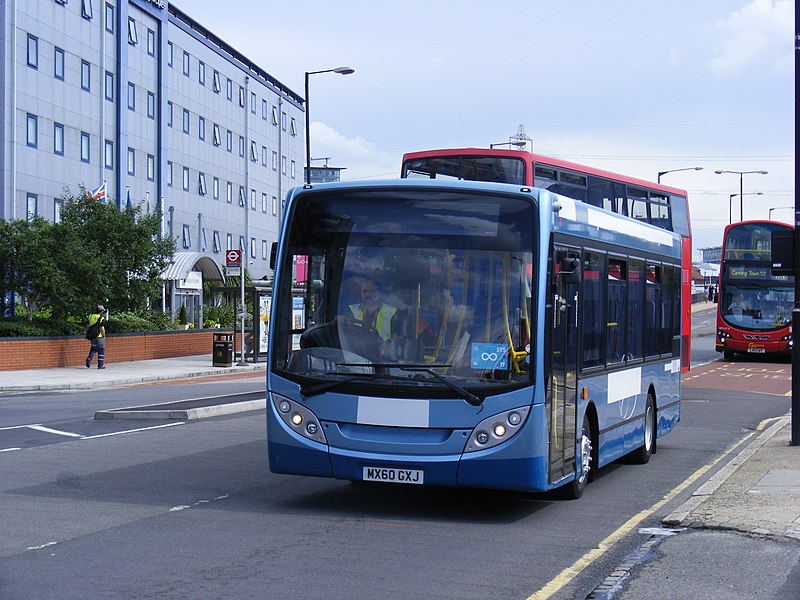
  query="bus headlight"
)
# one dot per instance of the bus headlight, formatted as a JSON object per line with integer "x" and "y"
{"x": 496, "y": 429}
{"x": 299, "y": 419}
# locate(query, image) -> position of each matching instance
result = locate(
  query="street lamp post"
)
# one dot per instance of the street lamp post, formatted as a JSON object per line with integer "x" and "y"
{"x": 517, "y": 143}
{"x": 340, "y": 71}
{"x": 730, "y": 205}
{"x": 741, "y": 175}
{"x": 777, "y": 208}
{"x": 660, "y": 173}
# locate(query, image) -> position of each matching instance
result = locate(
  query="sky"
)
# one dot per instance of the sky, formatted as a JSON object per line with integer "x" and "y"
{"x": 623, "y": 85}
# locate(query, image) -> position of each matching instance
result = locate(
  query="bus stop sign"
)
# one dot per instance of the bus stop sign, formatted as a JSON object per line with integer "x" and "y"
{"x": 233, "y": 262}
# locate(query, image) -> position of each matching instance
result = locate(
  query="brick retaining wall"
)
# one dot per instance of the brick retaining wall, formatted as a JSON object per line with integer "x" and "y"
{"x": 69, "y": 351}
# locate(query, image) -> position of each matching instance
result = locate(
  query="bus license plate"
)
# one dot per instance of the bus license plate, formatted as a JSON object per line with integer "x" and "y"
{"x": 757, "y": 350}
{"x": 393, "y": 475}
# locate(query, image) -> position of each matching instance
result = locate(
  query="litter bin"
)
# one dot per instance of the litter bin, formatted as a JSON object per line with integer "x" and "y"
{"x": 222, "y": 353}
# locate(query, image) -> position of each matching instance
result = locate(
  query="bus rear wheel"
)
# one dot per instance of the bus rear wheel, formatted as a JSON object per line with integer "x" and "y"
{"x": 642, "y": 455}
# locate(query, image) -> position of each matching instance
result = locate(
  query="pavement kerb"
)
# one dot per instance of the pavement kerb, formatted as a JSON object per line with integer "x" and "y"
{"x": 680, "y": 516}
{"x": 202, "y": 412}
{"x": 132, "y": 380}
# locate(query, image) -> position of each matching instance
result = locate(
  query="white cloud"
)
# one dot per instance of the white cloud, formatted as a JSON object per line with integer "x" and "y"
{"x": 361, "y": 157}
{"x": 755, "y": 35}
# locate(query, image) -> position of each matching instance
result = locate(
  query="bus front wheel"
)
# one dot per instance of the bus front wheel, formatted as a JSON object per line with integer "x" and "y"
{"x": 728, "y": 354}
{"x": 574, "y": 489}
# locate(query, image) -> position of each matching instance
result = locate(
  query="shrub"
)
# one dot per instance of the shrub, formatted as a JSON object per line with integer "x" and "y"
{"x": 225, "y": 315}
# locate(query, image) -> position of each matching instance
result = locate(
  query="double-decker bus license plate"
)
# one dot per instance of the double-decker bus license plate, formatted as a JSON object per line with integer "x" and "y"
{"x": 393, "y": 475}
{"x": 757, "y": 350}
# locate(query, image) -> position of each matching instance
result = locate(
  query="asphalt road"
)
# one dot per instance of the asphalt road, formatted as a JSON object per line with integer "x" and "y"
{"x": 190, "y": 510}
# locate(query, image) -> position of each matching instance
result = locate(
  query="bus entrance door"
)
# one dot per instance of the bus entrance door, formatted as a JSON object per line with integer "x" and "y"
{"x": 563, "y": 401}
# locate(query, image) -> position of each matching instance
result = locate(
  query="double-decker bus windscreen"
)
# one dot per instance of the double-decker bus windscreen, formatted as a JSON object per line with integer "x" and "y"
{"x": 407, "y": 293}
{"x": 498, "y": 169}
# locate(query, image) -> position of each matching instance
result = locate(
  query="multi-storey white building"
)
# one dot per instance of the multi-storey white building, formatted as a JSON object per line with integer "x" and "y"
{"x": 137, "y": 94}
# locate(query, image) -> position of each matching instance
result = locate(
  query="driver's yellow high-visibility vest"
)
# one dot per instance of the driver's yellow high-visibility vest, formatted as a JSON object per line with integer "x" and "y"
{"x": 383, "y": 319}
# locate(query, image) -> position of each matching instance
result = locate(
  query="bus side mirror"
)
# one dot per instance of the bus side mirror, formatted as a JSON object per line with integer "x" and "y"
{"x": 571, "y": 270}
{"x": 273, "y": 255}
{"x": 783, "y": 252}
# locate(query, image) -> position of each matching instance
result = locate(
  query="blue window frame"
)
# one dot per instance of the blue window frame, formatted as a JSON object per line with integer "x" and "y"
{"x": 33, "y": 51}
{"x": 58, "y": 63}
{"x": 86, "y": 76}
{"x": 32, "y": 131}
{"x": 85, "y": 147}
{"x": 58, "y": 139}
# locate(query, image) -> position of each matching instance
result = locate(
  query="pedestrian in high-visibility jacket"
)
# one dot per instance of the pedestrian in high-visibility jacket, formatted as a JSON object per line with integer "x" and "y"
{"x": 98, "y": 343}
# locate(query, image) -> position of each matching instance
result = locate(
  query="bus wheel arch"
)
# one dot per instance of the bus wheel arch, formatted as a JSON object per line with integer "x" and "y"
{"x": 586, "y": 457}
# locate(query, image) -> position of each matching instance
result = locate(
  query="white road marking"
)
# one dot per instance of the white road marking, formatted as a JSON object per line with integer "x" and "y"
{"x": 9, "y": 449}
{"x": 43, "y": 546}
{"x": 94, "y": 437}
{"x": 44, "y": 429}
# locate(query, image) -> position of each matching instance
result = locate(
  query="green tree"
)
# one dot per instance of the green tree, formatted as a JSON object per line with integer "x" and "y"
{"x": 122, "y": 255}
{"x": 33, "y": 257}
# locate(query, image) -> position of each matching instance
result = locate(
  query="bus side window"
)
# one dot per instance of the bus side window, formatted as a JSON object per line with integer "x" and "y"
{"x": 635, "y": 311}
{"x": 593, "y": 308}
{"x": 659, "y": 212}
{"x": 637, "y": 204}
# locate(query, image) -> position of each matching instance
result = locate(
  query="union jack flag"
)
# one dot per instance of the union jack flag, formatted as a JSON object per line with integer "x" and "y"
{"x": 99, "y": 193}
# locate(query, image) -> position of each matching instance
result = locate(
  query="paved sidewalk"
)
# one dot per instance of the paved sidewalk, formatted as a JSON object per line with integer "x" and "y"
{"x": 757, "y": 492}
{"x": 122, "y": 373}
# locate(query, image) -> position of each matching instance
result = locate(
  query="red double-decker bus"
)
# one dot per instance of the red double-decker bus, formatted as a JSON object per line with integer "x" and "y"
{"x": 663, "y": 206}
{"x": 754, "y": 313}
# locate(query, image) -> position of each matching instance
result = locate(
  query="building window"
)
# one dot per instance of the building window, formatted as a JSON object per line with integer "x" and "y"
{"x": 185, "y": 120}
{"x": 109, "y": 18}
{"x": 241, "y": 146}
{"x": 201, "y": 73}
{"x": 283, "y": 121}
{"x": 86, "y": 76}
{"x": 185, "y": 63}
{"x": 151, "y": 42}
{"x": 202, "y": 185}
{"x": 253, "y": 247}
{"x": 215, "y": 188}
{"x": 293, "y": 170}
{"x": 215, "y": 238}
{"x": 85, "y": 147}
{"x": 274, "y": 160}
{"x": 263, "y": 202}
{"x": 264, "y": 156}
{"x": 58, "y": 139}
{"x": 169, "y": 113}
{"x": 253, "y": 102}
{"x": 264, "y": 109}
{"x": 31, "y": 208}
{"x": 241, "y": 96}
{"x": 294, "y": 127}
{"x": 283, "y": 165}
{"x": 242, "y": 245}
{"x": 187, "y": 236}
{"x": 169, "y": 54}
{"x": 242, "y": 197}
{"x": 229, "y": 140}
{"x": 274, "y": 205}
{"x": 58, "y": 207}
{"x": 217, "y": 140}
{"x": 229, "y": 242}
{"x": 151, "y": 167}
{"x": 230, "y": 197}
{"x": 133, "y": 35}
{"x": 253, "y": 200}
{"x": 201, "y": 128}
{"x": 169, "y": 173}
{"x": 131, "y": 161}
{"x": 274, "y": 115}
{"x": 203, "y": 241}
{"x": 108, "y": 154}
{"x": 264, "y": 252}
{"x": 58, "y": 63}
{"x": 216, "y": 81}
{"x": 86, "y": 9}
{"x": 32, "y": 131}
{"x": 109, "y": 86}
{"x": 253, "y": 151}
{"x": 229, "y": 90}
{"x": 33, "y": 51}
{"x": 131, "y": 96}
{"x": 151, "y": 105}
{"x": 186, "y": 179}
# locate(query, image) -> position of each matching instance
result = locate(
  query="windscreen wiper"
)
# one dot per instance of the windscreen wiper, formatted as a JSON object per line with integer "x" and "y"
{"x": 313, "y": 390}
{"x": 468, "y": 396}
